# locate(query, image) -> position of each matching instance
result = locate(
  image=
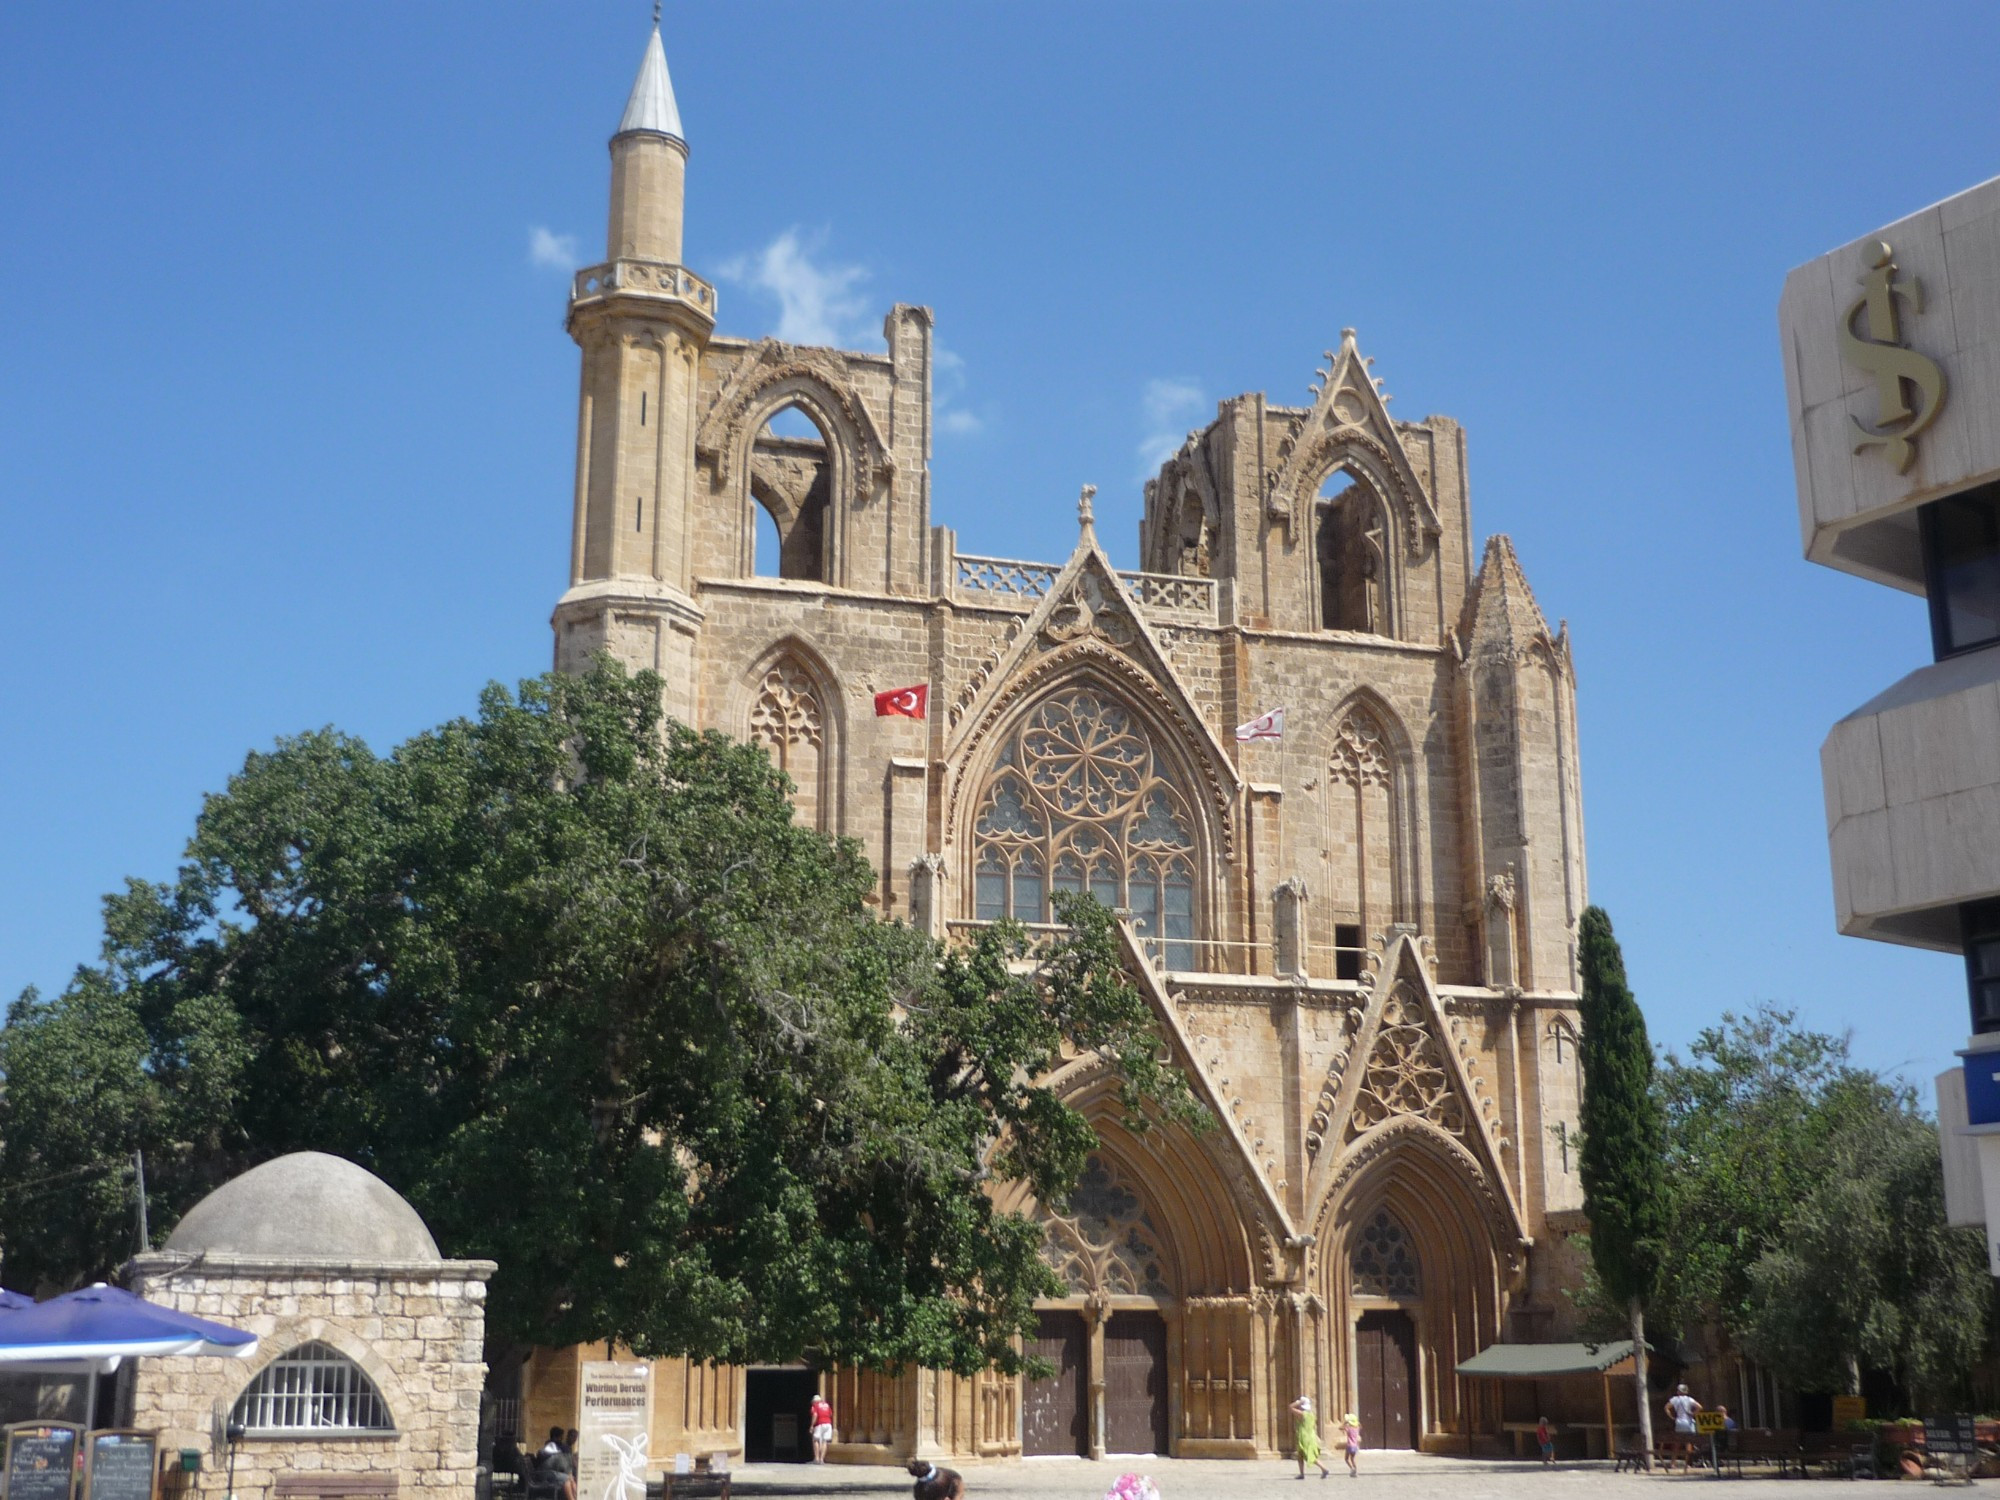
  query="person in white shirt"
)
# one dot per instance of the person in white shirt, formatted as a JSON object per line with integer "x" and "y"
{"x": 1681, "y": 1407}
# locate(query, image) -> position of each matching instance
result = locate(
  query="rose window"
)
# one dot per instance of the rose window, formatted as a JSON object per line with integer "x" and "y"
{"x": 1076, "y": 801}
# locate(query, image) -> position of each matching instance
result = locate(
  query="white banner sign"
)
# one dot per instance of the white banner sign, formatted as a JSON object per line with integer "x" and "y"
{"x": 614, "y": 1416}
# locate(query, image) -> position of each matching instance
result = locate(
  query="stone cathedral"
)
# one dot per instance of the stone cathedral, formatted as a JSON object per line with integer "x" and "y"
{"x": 1359, "y": 937}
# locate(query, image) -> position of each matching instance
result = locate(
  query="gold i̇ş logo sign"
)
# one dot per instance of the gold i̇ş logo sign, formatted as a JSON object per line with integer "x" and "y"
{"x": 1897, "y": 368}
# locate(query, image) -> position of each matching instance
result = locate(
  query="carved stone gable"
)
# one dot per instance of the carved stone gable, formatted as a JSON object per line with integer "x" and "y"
{"x": 1406, "y": 1072}
{"x": 1090, "y": 605}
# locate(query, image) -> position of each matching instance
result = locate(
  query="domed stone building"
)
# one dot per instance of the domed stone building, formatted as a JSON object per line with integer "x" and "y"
{"x": 370, "y": 1363}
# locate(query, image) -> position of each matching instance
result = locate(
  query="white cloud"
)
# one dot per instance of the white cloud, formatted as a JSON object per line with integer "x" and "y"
{"x": 817, "y": 303}
{"x": 947, "y": 385}
{"x": 552, "y": 251}
{"x": 1170, "y": 407}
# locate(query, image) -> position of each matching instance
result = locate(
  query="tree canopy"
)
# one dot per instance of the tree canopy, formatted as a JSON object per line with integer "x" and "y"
{"x": 569, "y": 976}
{"x": 1806, "y": 1217}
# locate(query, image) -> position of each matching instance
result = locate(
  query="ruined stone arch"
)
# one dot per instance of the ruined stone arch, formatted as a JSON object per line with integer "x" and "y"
{"x": 857, "y": 458}
{"x": 1084, "y": 783}
{"x": 1360, "y": 541}
{"x": 789, "y": 702}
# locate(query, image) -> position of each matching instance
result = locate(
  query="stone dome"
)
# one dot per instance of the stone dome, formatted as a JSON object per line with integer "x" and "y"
{"x": 306, "y": 1206}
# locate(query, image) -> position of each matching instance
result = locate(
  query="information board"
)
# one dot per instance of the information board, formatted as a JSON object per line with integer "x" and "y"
{"x": 1849, "y": 1409}
{"x": 120, "y": 1464}
{"x": 1952, "y": 1434}
{"x": 614, "y": 1415}
{"x": 41, "y": 1460}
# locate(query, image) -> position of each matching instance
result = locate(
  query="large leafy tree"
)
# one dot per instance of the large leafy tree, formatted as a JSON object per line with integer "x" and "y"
{"x": 570, "y": 977}
{"x": 1624, "y": 1190}
{"x": 1806, "y": 1215}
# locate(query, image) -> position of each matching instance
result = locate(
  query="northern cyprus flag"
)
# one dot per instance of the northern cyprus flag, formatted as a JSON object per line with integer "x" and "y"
{"x": 1270, "y": 726}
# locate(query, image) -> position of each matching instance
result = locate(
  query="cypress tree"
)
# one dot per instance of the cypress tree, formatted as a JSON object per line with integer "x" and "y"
{"x": 1624, "y": 1181}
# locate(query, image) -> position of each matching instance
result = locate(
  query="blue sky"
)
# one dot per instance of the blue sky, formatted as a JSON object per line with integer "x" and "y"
{"x": 287, "y": 413}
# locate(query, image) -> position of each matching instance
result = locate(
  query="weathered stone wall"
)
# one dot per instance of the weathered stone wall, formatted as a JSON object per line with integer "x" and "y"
{"x": 417, "y": 1330}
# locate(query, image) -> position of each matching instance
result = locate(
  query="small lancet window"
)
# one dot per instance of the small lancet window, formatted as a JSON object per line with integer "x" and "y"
{"x": 639, "y": 514}
{"x": 642, "y": 407}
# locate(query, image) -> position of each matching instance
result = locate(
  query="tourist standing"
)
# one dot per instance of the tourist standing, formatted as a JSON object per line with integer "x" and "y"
{"x": 1305, "y": 1436}
{"x": 822, "y": 1426}
{"x": 1350, "y": 1429}
{"x": 1547, "y": 1439}
{"x": 1681, "y": 1408}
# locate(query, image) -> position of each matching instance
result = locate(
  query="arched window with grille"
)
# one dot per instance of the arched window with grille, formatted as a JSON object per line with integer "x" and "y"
{"x": 313, "y": 1389}
{"x": 1078, "y": 800}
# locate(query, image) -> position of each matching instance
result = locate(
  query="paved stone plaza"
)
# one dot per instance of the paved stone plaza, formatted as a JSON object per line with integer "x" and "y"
{"x": 1407, "y": 1476}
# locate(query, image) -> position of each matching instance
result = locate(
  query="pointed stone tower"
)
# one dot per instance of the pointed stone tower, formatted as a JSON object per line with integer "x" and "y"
{"x": 642, "y": 320}
{"x": 1525, "y": 804}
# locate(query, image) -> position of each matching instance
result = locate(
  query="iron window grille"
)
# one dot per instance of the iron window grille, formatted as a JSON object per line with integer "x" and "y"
{"x": 314, "y": 1389}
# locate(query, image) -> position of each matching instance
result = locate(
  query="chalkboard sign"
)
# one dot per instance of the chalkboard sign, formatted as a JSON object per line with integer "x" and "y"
{"x": 120, "y": 1465}
{"x": 1954, "y": 1434}
{"x": 41, "y": 1460}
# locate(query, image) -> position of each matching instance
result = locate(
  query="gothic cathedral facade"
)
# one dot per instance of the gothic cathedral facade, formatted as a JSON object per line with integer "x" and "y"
{"x": 1359, "y": 936}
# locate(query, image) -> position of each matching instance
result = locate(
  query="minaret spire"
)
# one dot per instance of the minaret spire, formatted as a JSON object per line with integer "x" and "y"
{"x": 651, "y": 106}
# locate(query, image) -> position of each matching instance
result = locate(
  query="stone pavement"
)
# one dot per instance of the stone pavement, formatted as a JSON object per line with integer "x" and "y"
{"x": 1402, "y": 1476}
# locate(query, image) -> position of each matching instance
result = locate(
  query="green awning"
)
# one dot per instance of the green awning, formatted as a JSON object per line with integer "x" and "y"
{"x": 1545, "y": 1361}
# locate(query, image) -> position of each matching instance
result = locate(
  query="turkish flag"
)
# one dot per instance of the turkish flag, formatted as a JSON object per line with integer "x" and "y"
{"x": 909, "y": 702}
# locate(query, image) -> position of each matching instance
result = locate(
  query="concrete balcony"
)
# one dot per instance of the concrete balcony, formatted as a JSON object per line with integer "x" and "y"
{"x": 1912, "y": 783}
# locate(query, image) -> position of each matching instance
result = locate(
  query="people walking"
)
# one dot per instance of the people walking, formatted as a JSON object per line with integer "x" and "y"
{"x": 1547, "y": 1439}
{"x": 1351, "y": 1430}
{"x": 1305, "y": 1436}
{"x": 821, "y": 1422}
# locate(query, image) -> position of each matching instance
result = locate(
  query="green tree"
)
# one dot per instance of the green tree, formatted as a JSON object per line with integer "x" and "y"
{"x": 1623, "y": 1185}
{"x": 1867, "y": 1273}
{"x": 570, "y": 977}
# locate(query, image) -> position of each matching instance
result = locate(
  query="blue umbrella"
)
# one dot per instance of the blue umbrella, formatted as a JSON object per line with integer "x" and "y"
{"x": 97, "y": 1326}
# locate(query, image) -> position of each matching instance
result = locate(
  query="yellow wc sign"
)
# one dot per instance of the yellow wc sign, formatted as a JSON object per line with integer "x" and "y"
{"x": 1710, "y": 1421}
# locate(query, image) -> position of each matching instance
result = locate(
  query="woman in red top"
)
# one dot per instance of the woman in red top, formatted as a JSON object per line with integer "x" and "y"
{"x": 822, "y": 1426}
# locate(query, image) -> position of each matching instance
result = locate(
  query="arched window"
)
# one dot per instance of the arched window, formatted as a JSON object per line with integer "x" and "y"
{"x": 1351, "y": 548}
{"x": 1383, "y": 1261}
{"x": 1077, "y": 801}
{"x": 791, "y": 478}
{"x": 1361, "y": 783}
{"x": 315, "y": 1389}
{"x": 787, "y": 720}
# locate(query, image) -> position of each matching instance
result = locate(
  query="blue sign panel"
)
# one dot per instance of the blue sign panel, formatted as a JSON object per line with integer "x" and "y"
{"x": 1982, "y": 1088}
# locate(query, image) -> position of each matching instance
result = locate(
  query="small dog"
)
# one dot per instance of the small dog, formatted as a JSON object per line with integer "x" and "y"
{"x": 934, "y": 1483}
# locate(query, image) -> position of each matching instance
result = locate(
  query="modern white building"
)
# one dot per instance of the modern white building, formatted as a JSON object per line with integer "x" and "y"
{"x": 1892, "y": 372}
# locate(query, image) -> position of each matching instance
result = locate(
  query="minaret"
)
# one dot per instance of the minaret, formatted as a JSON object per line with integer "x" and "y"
{"x": 642, "y": 320}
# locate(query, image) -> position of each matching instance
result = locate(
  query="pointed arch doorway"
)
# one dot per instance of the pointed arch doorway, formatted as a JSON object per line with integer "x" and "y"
{"x": 1387, "y": 1287}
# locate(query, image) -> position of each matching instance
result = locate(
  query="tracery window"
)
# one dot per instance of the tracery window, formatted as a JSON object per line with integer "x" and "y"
{"x": 1383, "y": 1261}
{"x": 315, "y": 1388}
{"x": 1078, "y": 801}
{"x": 787, "y": 721}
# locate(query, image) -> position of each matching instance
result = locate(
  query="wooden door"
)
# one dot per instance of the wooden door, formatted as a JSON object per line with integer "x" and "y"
{"x": 1135, "y": 1383}
{"x": 1053, "y": 1418}
{"x": 1386, "y": 1370}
